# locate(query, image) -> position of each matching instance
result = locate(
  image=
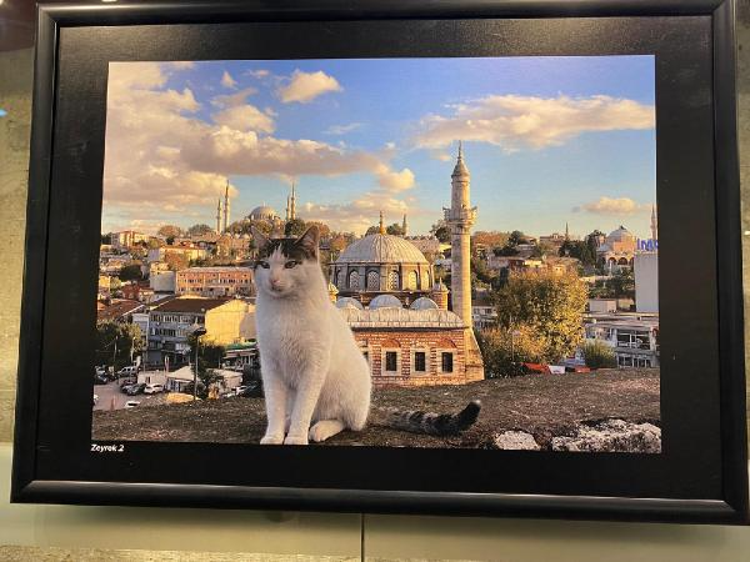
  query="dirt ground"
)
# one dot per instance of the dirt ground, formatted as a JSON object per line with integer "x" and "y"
{"x": 543, "y": 405}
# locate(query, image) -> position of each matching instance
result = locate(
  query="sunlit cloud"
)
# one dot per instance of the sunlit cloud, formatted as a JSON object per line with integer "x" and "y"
{"x": 303, "y": 87}
{"x": 613, "y": 206}
{"x": 515, "y": 122}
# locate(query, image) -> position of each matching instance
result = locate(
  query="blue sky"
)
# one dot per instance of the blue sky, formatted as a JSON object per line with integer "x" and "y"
{"x": 547, "y": 140}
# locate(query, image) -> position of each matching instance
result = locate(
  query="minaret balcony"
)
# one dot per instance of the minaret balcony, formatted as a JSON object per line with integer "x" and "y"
{"x": 464, "y": 215}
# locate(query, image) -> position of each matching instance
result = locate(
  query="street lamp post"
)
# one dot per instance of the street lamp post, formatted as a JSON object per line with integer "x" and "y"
{"x": 197, "y": 332}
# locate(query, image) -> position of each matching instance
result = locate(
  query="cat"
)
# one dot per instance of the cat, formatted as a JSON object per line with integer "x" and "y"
{"x": 317, "y": 381}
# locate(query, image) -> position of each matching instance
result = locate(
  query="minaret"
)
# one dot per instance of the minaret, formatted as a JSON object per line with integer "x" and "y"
{"x": 382, "y": 223}
{"x": 405, "y": 227}
{"x": 218, "y": 216}
{"x": 293, "y": 204}
{"x": 460, "y": 217}
{"x": 286, "y": 214}
{"x": 654, "y": 224}
{"x": 226, "y": 207}
{"x": 567, "y": 232}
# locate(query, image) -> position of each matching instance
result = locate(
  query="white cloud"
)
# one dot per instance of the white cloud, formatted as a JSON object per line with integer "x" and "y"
{"x": 303, "y": 87}
{"x": 514, "y": 122}
{"x": 231, "y": 100}
{"x": 163, "y": 163}
{"x": 244, "y": 118}
{"x": 613, "y": 206}
{"x": 260, "y": 73}
{"x": 395, "y": 181}
{"x": 358, "y": 215}
{"x": 227, "y": 81}
{"x": 342, "y": 129}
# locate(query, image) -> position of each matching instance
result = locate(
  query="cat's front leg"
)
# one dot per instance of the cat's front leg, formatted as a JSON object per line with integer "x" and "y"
{"x": 305, "y": 401}
{"x": 276, "y": 404}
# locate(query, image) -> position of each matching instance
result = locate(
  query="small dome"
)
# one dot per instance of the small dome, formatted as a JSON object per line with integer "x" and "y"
{"x": 619, "y": 235}
{"x": 263, "y": 213}
{"x": 332, "y": 289}
{"x": 423, "y": 303}
{"x": 349, "y": 302}
{"x": 385, "y": 301}
{"x": 382, "y": 248}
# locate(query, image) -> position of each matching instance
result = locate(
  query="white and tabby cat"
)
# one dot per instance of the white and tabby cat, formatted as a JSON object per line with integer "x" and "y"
{"x": 314, "y": 374}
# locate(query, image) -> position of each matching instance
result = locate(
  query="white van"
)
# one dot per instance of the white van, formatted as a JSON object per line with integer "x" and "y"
{"x": 130, "y": 371}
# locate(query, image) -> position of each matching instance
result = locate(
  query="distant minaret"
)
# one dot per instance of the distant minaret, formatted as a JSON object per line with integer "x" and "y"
{"x": 218, "y": 216}
{"x": 405, "y": 227}
{"x": 460, "y": 218}
{"x": 286, "y": 214}
{"x": 293, "y": 203}
{"x": 382, "y": 223}
{"x": 567, "y": 232}
{"x": 226, "y": 207}
{"x": 654, "y": 224}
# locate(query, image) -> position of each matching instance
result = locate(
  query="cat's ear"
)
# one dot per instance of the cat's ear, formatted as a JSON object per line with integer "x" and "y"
{"x": 309, "y": 241}
{"x": 261, "y": 240}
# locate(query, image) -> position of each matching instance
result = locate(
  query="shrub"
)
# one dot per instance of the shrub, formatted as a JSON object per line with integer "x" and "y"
{"x": 598, "y": 355}
{"x": 503, "y": 350}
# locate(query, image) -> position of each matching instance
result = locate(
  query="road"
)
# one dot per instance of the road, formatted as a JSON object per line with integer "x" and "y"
{"x": 110, "y": 397}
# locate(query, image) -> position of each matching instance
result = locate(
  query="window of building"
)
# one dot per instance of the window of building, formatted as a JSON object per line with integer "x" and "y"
{"x": 391, "y": 362}
{"x": 373, "y": 281}
{"x": 354, "y": 280}
{"x": 411, "y": 281}
{"x": 446, "y": 362}
{"x": 420, "y": 362}
{"x": 393, "y": 281}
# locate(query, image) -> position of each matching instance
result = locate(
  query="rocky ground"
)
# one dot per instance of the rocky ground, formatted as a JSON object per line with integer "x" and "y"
{"x": 608, "y": 410}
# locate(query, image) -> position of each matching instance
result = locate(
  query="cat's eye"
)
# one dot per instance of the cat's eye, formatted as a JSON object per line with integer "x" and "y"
{"x": 290, "y": 264}
{"x": 264, "y": 264}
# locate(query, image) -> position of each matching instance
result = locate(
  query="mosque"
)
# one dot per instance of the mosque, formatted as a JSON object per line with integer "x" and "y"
{"x": 386, "y": 290}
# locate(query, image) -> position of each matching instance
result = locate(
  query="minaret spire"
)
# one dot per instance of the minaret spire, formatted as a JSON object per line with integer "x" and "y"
{"x": 226, "y": 207}
{"x": 460, "y": 218}
{"x": 567, "y": 232}
{"x": 405, "y": 226}
{"x": 382, "y": 223}
{"x": 654, "y": 224}
{"x": 293, "y": 203}
{"x": 218, "y": 216}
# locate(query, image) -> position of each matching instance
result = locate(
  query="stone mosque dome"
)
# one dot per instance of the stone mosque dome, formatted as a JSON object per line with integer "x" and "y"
{"x": 424, "y": 303}
{"x": 349, "y": 302}
{"x": 263, "y": 212}
{"x": 385, "y": 301}
{"x": 622, "y": 234}
{"x": 382, "y": 248}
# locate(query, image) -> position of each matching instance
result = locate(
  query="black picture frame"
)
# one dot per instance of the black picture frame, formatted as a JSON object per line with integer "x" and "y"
{"x": 701, "y": 476}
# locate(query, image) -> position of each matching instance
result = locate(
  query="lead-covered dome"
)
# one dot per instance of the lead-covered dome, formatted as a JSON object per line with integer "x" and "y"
{"x": 382, "y": 248}
{"x": 385, "y": 301}
{"x": 622, "y": 234}
{"x": 263, "y": 212}
{"x": 424, "y": 303}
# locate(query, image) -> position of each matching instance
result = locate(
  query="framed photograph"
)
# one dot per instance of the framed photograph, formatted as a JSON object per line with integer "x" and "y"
{"x": 454, "y": 257}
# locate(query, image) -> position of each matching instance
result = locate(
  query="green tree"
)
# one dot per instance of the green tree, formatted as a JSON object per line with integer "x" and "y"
{"x": 622, "y": 284}
{"x": 598, "y": 355}
{"x": 295, "y": 227}
{"x": 131, "y": 272}
{"x": 199, "y": 229}
{"x": 169, "y": 231}
{"x": 395, "y": 229}
{"x": 550, "y": 306}
{"x": 117, "y": 344}
{"x": 505, "y": 349}
{"x": 517, "y": 237}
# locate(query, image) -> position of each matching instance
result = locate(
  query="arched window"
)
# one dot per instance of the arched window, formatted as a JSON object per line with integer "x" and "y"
{"x": 623, "y": 261}
{"x": 373, "y": 281}
{"x": 393, "y": 281}
{"x": 411, "y": 281}
{"x": 354, "y": 280}
{"x": 340, "y": 279}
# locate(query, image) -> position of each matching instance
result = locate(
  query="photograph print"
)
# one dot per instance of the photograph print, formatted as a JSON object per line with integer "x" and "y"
{"x": 425, "y": 252}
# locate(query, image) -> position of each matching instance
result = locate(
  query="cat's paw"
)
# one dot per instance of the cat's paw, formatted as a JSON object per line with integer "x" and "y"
{"x": 272, "y": 440}
{"x": 295, "y": 440}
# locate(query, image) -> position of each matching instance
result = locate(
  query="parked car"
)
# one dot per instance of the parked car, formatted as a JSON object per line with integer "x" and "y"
{"x": 130, "y": 371}
{"x": 153, "y": 388}
{"x": 131, "y": 404}
{"x": 125, "y": 388}
{"x": 100, "y": 379}
{"x": 134, "y": 389}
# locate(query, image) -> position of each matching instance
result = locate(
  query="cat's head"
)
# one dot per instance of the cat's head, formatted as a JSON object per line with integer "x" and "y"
{"x": 286, "y": 266}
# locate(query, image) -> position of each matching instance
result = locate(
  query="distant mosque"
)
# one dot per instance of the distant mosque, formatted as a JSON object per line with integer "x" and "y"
{"x": 386, "y": 289}
{"x": 262, "y": 213}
